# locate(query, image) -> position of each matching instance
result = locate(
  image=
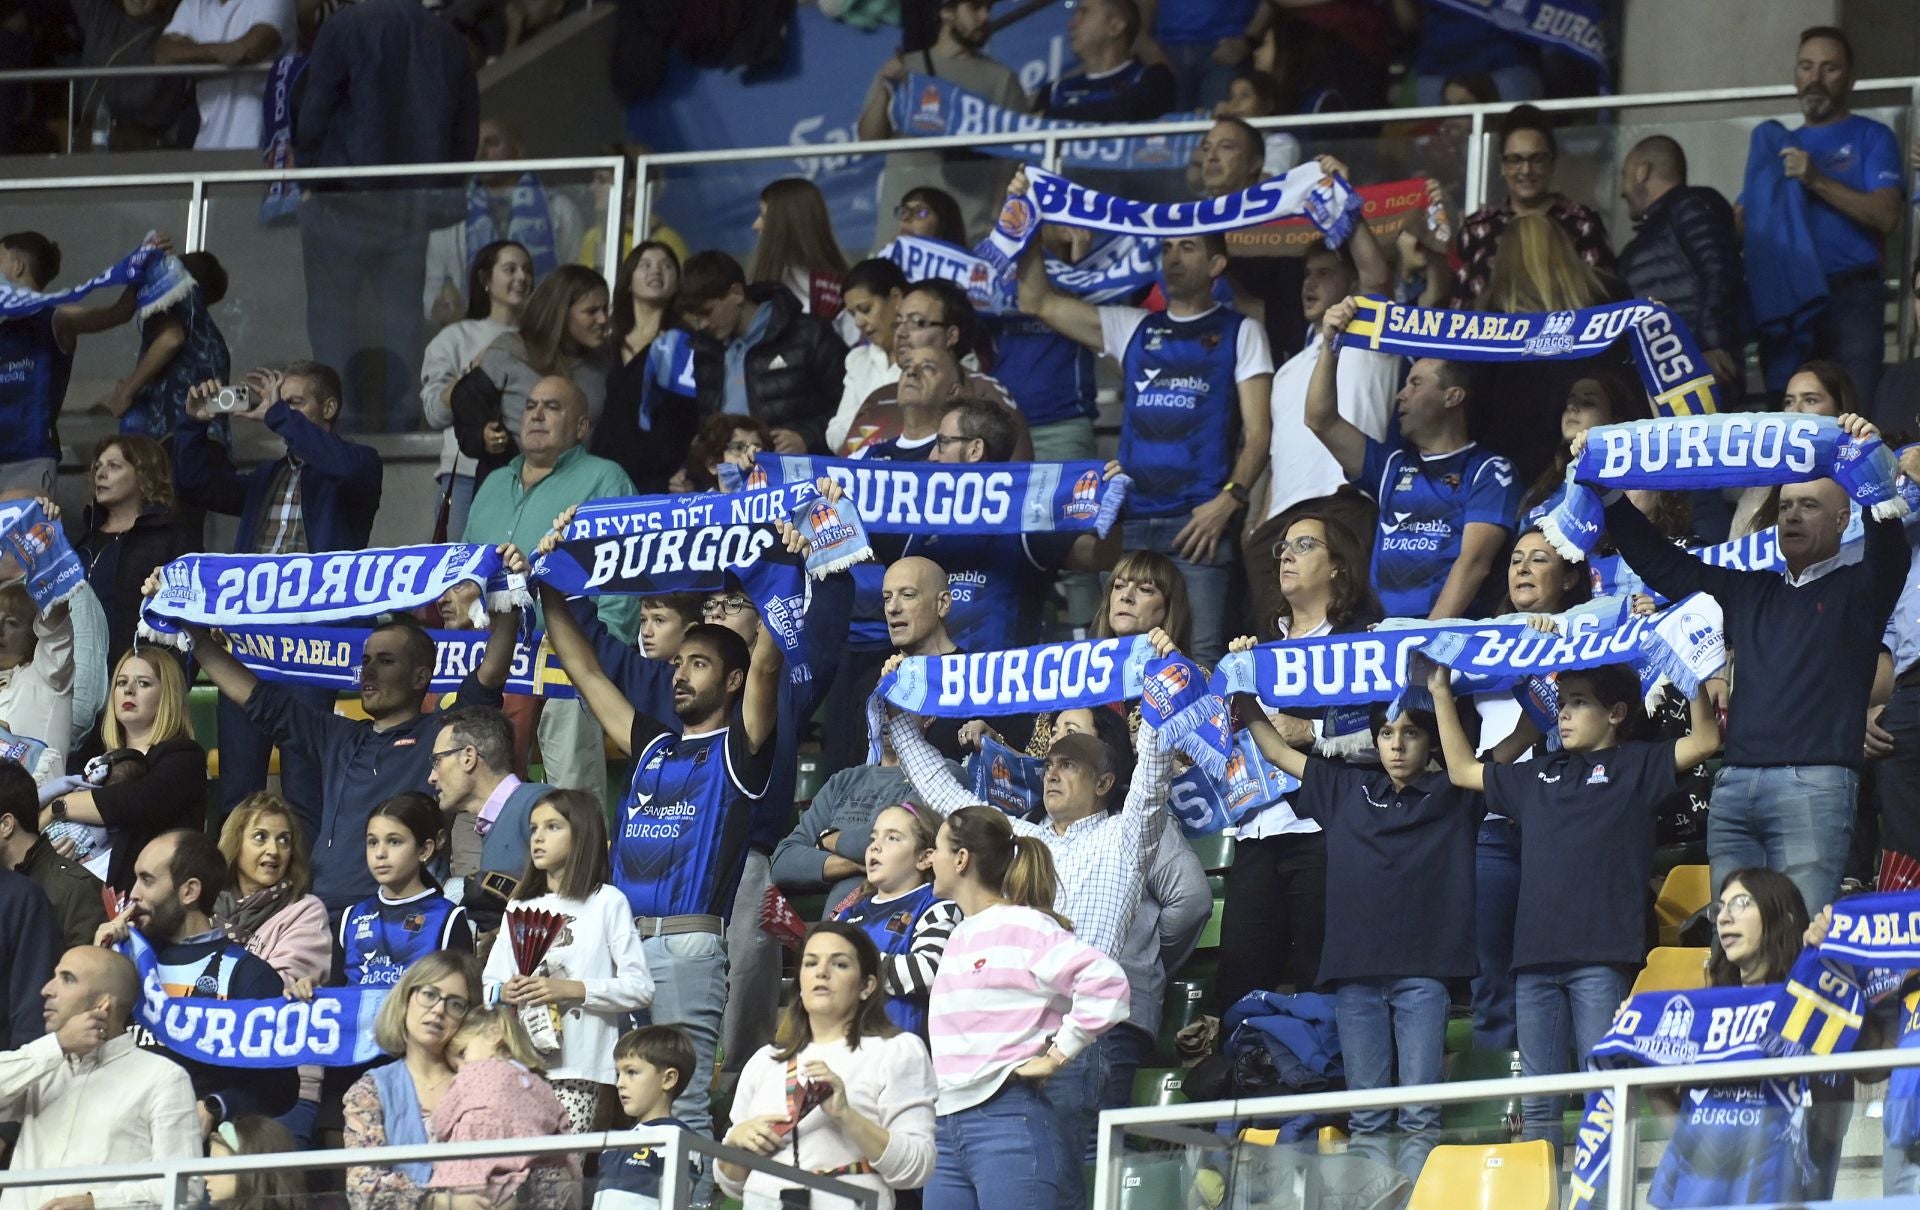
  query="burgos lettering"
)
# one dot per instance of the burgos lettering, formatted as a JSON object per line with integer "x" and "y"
{"x": 888, "y": 497}
{"x": 1691, "y": 444}
{"x": 209, "y": 1028}
{"x": 1022, "y": 677}
{"x": 290, "y": 583}
{"x": 709, "y": 548}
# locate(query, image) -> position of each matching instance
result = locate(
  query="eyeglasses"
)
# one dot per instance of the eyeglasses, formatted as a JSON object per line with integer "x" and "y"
{"x": 727, "y": 606}
{"x": 440, "y": 756}
{"x": 917, "y": 211}
{"x": 1733, "y": 906}
{"x": 918, "y": 323}
{"x": 1539, "y": 159}
{"x": 1302, "y": 545}
{"x": 737, "y": 449}
{"x": 457, "y": 1006}
{"x": 943, "y": 441}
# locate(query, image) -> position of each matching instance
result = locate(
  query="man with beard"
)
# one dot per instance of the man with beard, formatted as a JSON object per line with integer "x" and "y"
{"x": 1849, "y": 169}
{"x": 176, "y": 879}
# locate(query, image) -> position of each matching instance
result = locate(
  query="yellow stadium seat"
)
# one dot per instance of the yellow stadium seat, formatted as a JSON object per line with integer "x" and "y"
{"x": 1673, "y": 968}
{"x": 1688, "y": 888}
{"x": 350, "y": 707}
{"x": 213, "y": 763}
{"x": 1506, "y": 1176}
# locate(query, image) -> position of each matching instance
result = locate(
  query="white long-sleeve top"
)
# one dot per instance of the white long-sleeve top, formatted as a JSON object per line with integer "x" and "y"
{"x": 600, "y": 948}
{"x": 118, "y": 1105}
{"x": 36, "y": 699}
{"x": 889, "y": 1081}
{"x": 448, "y": 355}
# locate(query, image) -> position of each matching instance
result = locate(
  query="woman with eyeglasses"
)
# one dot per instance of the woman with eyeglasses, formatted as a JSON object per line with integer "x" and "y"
{"x": 931, "y": 213}
{"x": 1276, "y": 898}
{"x": 1527, "y": 156}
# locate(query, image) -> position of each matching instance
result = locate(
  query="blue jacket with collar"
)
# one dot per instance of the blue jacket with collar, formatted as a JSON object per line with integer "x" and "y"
{"x": 339, "y": 481}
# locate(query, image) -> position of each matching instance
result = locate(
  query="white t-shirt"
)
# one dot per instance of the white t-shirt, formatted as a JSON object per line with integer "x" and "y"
{"x": 1301, "y": 467}
{"x": 230, "y": 108}
{"x": 1251, "y": 356}
{"x": 1278, "y": 818}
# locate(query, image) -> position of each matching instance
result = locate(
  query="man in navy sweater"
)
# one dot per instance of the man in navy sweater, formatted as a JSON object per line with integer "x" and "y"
{"x": 1808, "y": 642}
{"x": 322, "y": 494}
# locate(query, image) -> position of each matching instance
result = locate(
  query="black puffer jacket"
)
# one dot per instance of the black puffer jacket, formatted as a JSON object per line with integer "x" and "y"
{"x": 794, "y": 373}
{"x": 1686, "y": 253}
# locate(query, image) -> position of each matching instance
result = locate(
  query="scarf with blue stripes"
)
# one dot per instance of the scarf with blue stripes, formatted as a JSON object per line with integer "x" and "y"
{"x": 329, "y": 657}
{"x": 162, "y": 280}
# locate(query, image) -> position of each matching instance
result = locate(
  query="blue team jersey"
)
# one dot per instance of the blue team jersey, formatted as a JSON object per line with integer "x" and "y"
{"x": 1861, "y": 154}
{"x": 1051, "y": 377}
{"x": 996, "y": 582}
{"x": 1735, "y": 1145}
{"x": 1182, "y": 419}
{"x": 33, "y": 384}
{"x": 381, "y": 938}
{"x": 1426, "y": 504}
{"x": 1903, "y": 1088}
{"x": 890, "y": 923}
{"x": 868, "y": 629}
{"x": 684, "y": 825}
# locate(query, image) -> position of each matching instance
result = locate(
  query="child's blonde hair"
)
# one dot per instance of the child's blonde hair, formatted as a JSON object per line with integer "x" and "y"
{"x": 505, "y": 1021}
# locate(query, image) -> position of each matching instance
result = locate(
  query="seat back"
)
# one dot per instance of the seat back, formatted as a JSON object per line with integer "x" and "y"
{"x": 1688, "y": 888}
{"x": 1504, "y": 1176}
{"x": 1673, "y": 968}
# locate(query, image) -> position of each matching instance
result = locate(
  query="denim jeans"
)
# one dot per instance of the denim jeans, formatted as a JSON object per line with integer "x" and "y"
{"x": 1004, "y": 1153}
{"x": 690, "y": 991}
{"x": 573, "y": 748}
{"x": 458, "y": 504}
{"x": 753, "y": 971}
{"x": 1078, "y": 1093}
{"x": 374, "y": 242}
{"x": 245, "y": 751}
{"x": 1208, "y": 585}
{"x": 1496, "y": 900}
{"x": 1853, "y": 330}
{"x": 1126, "y": 1048}
{"x": 1202, "y": 82}
{"x": 1792, "y": 818}
{"x": 1563, "y": 1011}
{"x": 1071, "y": 440}
{"x": 1899, "y": 1173}
{"x": 1381, "y": 1021}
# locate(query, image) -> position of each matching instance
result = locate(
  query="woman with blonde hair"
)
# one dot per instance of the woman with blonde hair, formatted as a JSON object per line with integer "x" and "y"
{"x": 1537, "y": 268}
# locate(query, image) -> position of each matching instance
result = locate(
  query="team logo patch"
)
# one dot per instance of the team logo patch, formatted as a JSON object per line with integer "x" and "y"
{"x": 1086, "y": 497}
{"x": 413, "y": 923}
{"x": 1598, "y": 777}
{"x": 829, "y": 530}
{"x": 757, "y": 477}
{"x": 1166, "y": 684}
{"x": 1556, "y": 336}
{"x": 929, "y": 116}
{"x": 1017, "y": 218}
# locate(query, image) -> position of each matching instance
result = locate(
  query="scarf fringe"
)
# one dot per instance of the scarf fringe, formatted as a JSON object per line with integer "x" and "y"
{"x": 1112, "y": 497}
{"x": 842, "y": 563}
{"x": 168, "y": 284}
{"x": 1352, "y": 746}
{"x": 1556, "y": 537}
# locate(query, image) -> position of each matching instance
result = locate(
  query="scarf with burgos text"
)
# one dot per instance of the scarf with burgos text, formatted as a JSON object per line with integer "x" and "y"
{"x": 160, "y": 278}
{"x": 1691, "y": 453}
{"x": 1573, "y": 27}
{"x": 529, "y": 222}
{"x": 930, "y": 107}
{"x": 334, "y": 1029}
{"x": 1172, "y": 691}
{"x": 329, "y": 657}
{"x": 218, "y": 591}
{"x": 1672, "y": 370}
{"x": 1872, "y": 941}
{"x": 1000, "y": 498}
{"x": 646, "y": 545}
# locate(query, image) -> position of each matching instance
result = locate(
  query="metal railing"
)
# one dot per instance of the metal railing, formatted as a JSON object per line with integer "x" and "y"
{"x": 1192, "y": 1125}
{"x": 676, "y": 1148}
{"x": 74, "y": 76}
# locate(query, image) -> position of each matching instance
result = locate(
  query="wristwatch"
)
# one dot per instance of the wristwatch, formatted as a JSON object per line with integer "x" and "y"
{"x": 1238, "y": 492}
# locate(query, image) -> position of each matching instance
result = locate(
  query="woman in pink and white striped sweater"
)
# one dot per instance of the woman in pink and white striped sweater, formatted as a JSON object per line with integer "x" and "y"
{"x": 1016, "y": 998}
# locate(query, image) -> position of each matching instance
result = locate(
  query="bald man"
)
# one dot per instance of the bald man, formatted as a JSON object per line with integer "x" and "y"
{"x": 1809, "y": 642}
{"x": 1685, "y": 250}
{"x": 86, "y": 1094}
{"x": 517, "y": 503}
{"x": 915, "y": 599}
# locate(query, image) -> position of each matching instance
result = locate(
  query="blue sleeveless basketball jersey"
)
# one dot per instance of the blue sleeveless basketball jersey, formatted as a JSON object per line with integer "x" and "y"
{"x": 1426, "y": 504}
{"x": 1903, "y": 1089}
{"x": 380, "y": 939}
{"x": 33, "y": 384}
{"x": 890, "y": 924}
{"x": 681, "y": 837}
{"x": 1051, "y": 377}
{"x": 1182, "y": 416}
{"x": 1735, "y": 1145}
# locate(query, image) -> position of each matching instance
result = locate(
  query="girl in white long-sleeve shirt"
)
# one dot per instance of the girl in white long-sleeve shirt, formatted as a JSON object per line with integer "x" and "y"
{"x": 595, "y": 973}
{"x": 874, "y": 1126}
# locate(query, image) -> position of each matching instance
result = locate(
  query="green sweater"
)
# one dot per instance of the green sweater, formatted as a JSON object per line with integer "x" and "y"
{"x": 504, "y": 511}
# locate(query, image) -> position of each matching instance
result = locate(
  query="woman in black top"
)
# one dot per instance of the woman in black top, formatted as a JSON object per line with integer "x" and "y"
{"x": 129, "y": 529}
{"x": 643, "y": 309}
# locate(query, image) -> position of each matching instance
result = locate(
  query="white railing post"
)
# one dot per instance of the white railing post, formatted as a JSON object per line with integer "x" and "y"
{"x": 676, "y": 1192}
{"x": 610, "y": 251}
{"x": 1050, "y": 157}
{"x": 196, "y": 217}
{"x": 642, "y": 198}
{"x": 1108, "y": 1140}
{"x": 1475, "y": 191}
{"x": 1626, "y": 1148}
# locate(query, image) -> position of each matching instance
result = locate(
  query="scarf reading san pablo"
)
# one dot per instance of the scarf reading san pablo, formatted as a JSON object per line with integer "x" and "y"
{"x": 217, "y": 591}
{"x": 334, "y": 1029}
{"x": 1008, "y": 498}
{"x": 1687, "y": 453}
{"x": 329, "y": 657}
{"x": 645, "y": 545}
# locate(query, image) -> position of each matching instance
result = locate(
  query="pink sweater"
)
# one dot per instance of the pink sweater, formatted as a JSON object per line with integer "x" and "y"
{"x": 1011, "y": 979}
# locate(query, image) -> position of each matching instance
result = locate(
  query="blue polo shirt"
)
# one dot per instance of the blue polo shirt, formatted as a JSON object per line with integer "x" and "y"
{"x": 1861, "y": 154}
{"x": 1426, "y": 503}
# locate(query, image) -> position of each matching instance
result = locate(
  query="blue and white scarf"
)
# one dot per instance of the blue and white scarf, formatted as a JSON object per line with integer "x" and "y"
{"x": 1685, "y": 453}
{"x": 36, "y": 550}
{"x": 645, "y": 545}
{"x": 529, "y": 223}
{"x": 1116, "y": 270}
{"x": 219, "y": 591}
{"x": 1572, "y": 27}
{"x": 329, "y": 657}
{"x": 669, "y": 367}
{"x": 1675, "y": 375}
{"x": 334, "y": 1029}
{"x": 1000, "y": 498}
{"x": 162, "y": 279}
{"x": 281, "y": 200}
{"x": 928, "y": 106}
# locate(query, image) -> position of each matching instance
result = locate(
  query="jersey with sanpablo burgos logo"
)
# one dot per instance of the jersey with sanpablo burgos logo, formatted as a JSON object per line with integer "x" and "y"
{"x": 996, "y": 582}
{"x": 889, "y": 922}
{"x": 380, "y": 937}
{"x": 1182, "y": 419}
{"x": 1902, "y": 1124}
{"x": 1735, "y": 1145}
{"x": 869, "y": 626}
{"x": 681, "y": 837}
{"x": 1426, "y": 503}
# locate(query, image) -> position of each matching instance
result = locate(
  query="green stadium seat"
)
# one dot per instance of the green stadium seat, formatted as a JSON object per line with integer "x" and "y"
{"x": 1186, "y": 1001}
{"x": 1210, "y": 935}
{"x": 1159, "y": 1086}
{"x": 1489, "y": 1120}
{"x": 1215, "y": 851}
{"x": 808, "y": 777}
{"x": 1152, "y": 1181}
{"x": 1459, "y": 1035}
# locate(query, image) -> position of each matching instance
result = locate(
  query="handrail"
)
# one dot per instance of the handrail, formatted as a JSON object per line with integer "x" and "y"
{"x": 135, "y": 71}
{"x": 1173, "y": 1121}
{"x": 257, "y": 176}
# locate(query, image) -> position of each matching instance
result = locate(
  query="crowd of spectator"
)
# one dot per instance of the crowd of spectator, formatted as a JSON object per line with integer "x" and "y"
{"x": 979, "y": 986}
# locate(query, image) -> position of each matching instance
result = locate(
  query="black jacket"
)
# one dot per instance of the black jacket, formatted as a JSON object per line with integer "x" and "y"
{"x": 1686, "y": 253}
{"x": 794, "y": 374}
{"x": 118, "y": 566}
{"x": 387, "y": 83}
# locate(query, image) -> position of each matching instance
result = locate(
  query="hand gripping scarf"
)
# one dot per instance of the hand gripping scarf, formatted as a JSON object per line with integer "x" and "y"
{"x": 211, "y": 590}
{"x": 329, "y": 656}
{"x": 162, "y": 279}
{"x": 930, "y": 106}
{"x": 36, "y": 550}
{"x": 956, "y": 498}
{"x": 334, "y": 1029}
{"x": 1672, "y": 370}
{"x": 1684, "y": 453}
{"x": 645, "y": 545}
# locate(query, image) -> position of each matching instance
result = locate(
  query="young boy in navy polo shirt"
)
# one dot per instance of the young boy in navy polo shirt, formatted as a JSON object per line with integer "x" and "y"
{"x": 1586, "y": 816}
{"x": 1400, "y": 852}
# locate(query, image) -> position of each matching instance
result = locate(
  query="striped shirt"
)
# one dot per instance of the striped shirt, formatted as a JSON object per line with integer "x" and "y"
{"x": 1012, "y": 979}
{"x": 283, "y": 526}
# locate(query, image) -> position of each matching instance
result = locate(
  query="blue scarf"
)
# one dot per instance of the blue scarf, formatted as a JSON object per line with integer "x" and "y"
{"x": 287, "y": 590}
{"x": 163, "y": 281}
{"x": 646, "y": 545}
{"x": 1301, "y": 675}
{"x": 329, "y": 656}
{"x": 1572, "y": 27}
{"x": 926, "y": 106}
{"x": 281, "y": 201}
{"x": 1116, "y": 270}
{"x": 528, "y": 222}
{"x": 1756, "y": 552}
{"x": 669, "y": 368}
{"x": 1672, "y": 370}
{"x": 405, "y": 1122}
{"x": 36, "y": 548}
{"x": 335, "y": 1029}
{"x": 1738, "y": 450}
{"x": 1000, "y": 498}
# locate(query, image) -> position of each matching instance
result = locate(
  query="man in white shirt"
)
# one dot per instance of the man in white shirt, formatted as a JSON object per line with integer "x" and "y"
{"x": 1301, "y": 475}
{"x": 86, "y": 1095}
{"x": 230, "y": 33}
